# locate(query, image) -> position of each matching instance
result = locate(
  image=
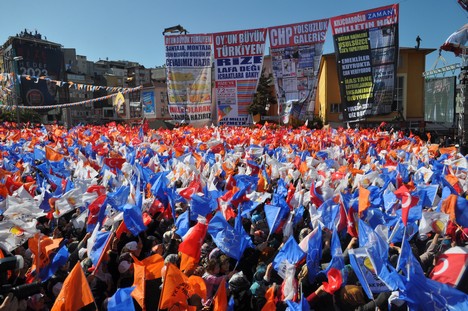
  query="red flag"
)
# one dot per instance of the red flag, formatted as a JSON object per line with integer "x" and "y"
{"x": 343, "y": 222}
{"x": 352, "y": 223}
{"x": 115, "y": 162}
{"x": 193, "y": 241}
{"x": 315, "y": 196}
{"x": 407, "y": 202}
{"x": 75, "y": 293}
{"x": 451, "y": 266}
{"x": 192, "y": 188}
{"x": 335, "y": 279}
{"x": 95, "y": 209}
{"x": 99, "y": 189}
{"x": 456, "y": 41}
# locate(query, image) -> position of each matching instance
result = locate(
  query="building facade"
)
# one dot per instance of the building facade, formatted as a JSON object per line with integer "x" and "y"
{"x": 408, "y": 106}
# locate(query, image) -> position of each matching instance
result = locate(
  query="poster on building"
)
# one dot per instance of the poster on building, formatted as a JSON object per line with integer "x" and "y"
{"x": 149, "y": 106}
{"x": 188, "y": 63}
{"x": 296, "y": 50}
{"x": 36, "y": 62}
{"x": 366, "y": 47}
{"x": 238, "y": 66}
{"x": 439, "y": 99}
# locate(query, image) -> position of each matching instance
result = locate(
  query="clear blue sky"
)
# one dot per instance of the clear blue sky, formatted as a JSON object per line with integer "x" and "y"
{"x": 132, "y": 30}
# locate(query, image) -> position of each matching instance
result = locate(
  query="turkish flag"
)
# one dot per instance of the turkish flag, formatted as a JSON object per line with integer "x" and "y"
{"x": 352, "y": 223}
{"x": 407, "y": 202}
{"x": 115, "y": 162}
{"x": 335, "y": 279}
{"x": 451, "y": 266}
{"x": 194, "y": 187}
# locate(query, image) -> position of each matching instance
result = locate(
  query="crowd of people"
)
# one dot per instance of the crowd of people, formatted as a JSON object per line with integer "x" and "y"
{"x": 272, "y": 217}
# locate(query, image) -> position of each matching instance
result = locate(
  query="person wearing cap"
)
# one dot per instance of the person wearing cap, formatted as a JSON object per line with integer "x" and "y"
{"x": 126, "y": 274}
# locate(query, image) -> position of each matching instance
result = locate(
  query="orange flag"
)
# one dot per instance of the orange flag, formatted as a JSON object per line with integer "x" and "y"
{"x": 220, "y": 302}
{"x": 75, "y": 292}
{"x": 270, "y": 304}
{"x": 139, "y": 279}
{"x": 448, "y": 206}
{"x": 153, "y": 265}
{"x": 146, "y": 269}
{"x": 363, "y": 199}
{"x": 187, "y": 262}
{"x": 41, "y": 246}
{"x": 52, "y": 155}
{"x": 176, "y": 288}
{"x": 198, "y": 286}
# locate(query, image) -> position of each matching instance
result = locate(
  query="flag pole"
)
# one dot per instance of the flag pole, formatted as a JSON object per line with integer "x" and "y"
{"x": 106, "y": 247}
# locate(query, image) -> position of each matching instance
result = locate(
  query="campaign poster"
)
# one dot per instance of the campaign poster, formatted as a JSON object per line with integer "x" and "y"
{"x": 188, "y": 63}
{"x": 238, "y": 66}
{"x": 439, "y": 99}
{"x": 149, "y": 106}
{"x": 366, "y": 271}
{"x": 366, "y": 47}
{"x": 296, "y": 50}
{"x": 37, "y": 64}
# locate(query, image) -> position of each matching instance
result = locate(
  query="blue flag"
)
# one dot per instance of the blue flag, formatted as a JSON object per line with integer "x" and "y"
{"x": 422, "y": 293}
{"x": 231, "y": 241}
{"x": 461, "y": 211}
{"x": 59, "y": 259}
{"x": 98, "y": 247}
{"x": 337, "y": 260}
{"x": 356, "y": 258}
{"x": 314, "y": 254}
{"x": 290, "y": 252}
{"x": 182, "y": 224}
{"x": 118, "y": 198}
{"x": 133, "y": 219}
{"x": 328, "y": 211}
{"x": 121, "y": 300}
{"x": 202, "y": 205}
{"x": 274, "y": 215}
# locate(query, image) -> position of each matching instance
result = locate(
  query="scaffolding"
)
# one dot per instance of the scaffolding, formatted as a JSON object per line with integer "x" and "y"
{"x": 462, "y": 97}
{"x": 462, "y": 100}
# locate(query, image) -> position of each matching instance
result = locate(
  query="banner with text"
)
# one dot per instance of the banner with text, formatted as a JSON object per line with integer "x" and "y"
{"x": 38, "y": 61}
{"x": 188, "y": 63}
{"x": 149, "y": 105}
{"x": 296, "y": 50}
{"x": 238, "y": 65}
{"x": 366, "y": 47}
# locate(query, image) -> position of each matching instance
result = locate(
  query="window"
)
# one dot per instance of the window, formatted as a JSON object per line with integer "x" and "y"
{"x": 335, "y": 108}
{"x": 108, "y": 112}
{"x": 399, "y": 94}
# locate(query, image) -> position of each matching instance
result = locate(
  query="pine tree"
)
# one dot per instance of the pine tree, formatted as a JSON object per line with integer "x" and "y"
{"x": 264, "y": 95}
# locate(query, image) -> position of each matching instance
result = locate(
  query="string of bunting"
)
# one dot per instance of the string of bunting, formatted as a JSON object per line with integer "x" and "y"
{"x": 70, "y": 84}
{"x": 126, "y": 90}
